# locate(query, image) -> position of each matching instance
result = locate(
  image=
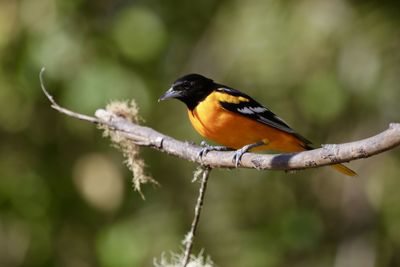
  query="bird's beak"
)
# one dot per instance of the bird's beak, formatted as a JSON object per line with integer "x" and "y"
{"x": 171, "y": 93}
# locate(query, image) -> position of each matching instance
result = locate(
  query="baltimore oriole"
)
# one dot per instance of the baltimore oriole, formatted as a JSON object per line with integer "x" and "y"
{"x": 235, "y": 120}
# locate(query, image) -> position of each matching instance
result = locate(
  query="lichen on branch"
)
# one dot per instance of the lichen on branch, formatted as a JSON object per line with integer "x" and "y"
{"x": 130, "y": 112}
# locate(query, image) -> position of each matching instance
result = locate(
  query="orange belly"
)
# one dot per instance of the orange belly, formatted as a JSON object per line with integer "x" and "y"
{"x": 227, "y": 128}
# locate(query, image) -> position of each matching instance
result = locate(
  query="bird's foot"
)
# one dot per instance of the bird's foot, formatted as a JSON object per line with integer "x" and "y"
{"x": 237, "y": 157}
{"x": 207, "y": 148}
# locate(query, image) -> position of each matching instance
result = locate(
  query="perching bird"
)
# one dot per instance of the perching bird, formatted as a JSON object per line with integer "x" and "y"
{"x": 235, "y": 120}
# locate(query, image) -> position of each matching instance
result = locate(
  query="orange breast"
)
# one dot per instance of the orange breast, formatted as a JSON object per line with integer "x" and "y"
{"x": 235, "y": 131}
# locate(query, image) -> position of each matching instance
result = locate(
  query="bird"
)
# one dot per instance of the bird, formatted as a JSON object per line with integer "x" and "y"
{"x": 235, "y": 120}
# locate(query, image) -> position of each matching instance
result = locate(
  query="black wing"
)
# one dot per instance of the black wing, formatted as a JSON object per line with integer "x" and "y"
{"x": 255, "y": 111}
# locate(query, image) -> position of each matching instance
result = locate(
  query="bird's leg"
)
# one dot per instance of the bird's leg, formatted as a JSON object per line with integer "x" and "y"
{"x": 239, "y": 153}
{"x": 207, "y": 148}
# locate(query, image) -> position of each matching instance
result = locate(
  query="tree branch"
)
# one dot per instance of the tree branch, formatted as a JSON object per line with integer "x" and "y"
{"x": 189, "y": 239}
{"x": 327, "y": 155}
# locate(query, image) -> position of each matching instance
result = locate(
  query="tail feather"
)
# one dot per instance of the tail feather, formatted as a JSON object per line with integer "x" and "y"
{"x": 297, "y": 143}
{"x": 343, "y": 169}
{"x": 338, "y": 167}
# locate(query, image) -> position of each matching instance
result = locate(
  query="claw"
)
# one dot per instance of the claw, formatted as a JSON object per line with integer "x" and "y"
{"x": 203, "y": 152}
{"x": 207, "y": 148}
{"x": 237, "y": 157}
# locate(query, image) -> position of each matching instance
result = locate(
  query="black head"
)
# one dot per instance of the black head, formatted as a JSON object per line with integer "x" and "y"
{"x": 190, "y": 89}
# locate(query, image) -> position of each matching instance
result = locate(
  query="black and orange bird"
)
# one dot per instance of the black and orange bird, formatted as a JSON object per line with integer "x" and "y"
{"x": 235, "y": 120}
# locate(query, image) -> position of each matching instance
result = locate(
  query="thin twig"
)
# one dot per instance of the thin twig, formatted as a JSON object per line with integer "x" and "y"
{"x": 56, "y": 106}
{"x": 329, "y": 154}
{"x": 197, "y": 211}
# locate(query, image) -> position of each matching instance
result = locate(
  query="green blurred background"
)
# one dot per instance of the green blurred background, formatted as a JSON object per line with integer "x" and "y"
{"x": 331, "y": 68}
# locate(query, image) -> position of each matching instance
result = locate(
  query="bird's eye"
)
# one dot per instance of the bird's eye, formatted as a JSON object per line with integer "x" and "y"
{"x": 186, "y": 85}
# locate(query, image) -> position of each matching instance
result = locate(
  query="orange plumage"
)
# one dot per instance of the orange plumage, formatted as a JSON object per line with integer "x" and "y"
{"x": 224, "y": 127}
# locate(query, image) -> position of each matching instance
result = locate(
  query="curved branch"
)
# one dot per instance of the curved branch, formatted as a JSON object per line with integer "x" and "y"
{"x": 327, "y": 155}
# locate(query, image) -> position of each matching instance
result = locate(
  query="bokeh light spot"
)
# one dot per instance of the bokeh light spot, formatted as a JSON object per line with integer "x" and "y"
{"x": 139, "y": 34}
{"x": 99, "y": 181}
{"x": 120, "y": 245}
{"x": 101, "y": 82}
